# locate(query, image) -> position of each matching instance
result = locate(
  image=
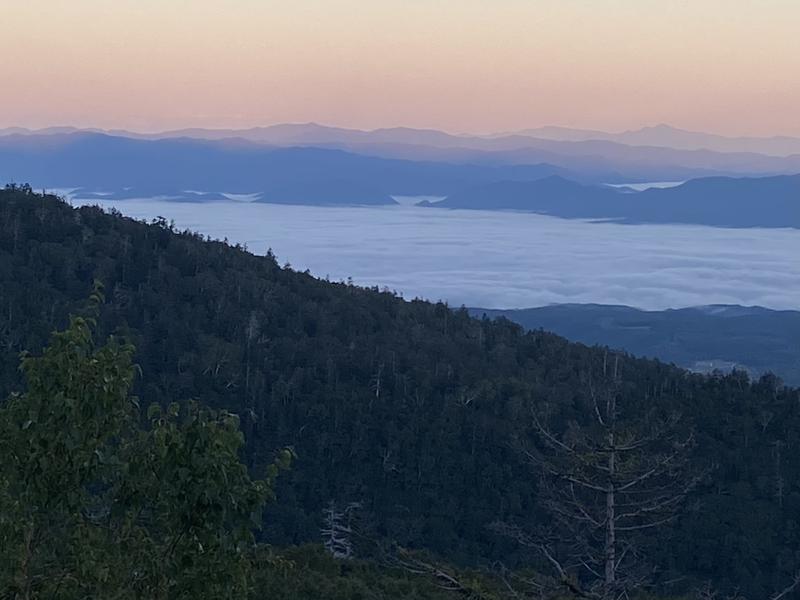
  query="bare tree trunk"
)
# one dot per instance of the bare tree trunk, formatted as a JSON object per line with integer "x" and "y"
{"x": 619, "y": 471}
{"x": 610, "y": 551}
{"x": 778, "y": 476}
{"x": 611, "y": 537}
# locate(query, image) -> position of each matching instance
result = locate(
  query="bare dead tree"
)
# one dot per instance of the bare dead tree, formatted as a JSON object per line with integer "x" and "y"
{"x": 779, "y": 483}
{"x": 377, "y": 381}
{"x": 250, "y": 334}
{"x": 444, "y": 577}
{"x": 606, "y": 481}
{"x": 707, "y": 592}
{"x": 789, "y": 590}
{"x": 337, "y": 529}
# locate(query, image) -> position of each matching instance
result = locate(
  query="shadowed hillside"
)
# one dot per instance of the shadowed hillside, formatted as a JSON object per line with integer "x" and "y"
{"x": 410, "y": 409}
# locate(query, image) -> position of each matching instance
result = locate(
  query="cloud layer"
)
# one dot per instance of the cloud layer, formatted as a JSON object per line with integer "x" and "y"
{"x": 508, "y": 260}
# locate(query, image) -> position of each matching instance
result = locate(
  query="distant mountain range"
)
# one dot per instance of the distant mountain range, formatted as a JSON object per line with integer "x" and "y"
{"x": 312, "y": 164}
{"x": 717, "y": 201}
{"x": 123, "y": 168}
{"x": 590, "y": 156}
{"x": 702, "y": 339}
{"x": 672, "y": 137}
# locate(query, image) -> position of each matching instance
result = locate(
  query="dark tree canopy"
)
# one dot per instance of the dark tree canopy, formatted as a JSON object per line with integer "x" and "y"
{"x": 410, "y": 409}
{"x": 94, "y": 503}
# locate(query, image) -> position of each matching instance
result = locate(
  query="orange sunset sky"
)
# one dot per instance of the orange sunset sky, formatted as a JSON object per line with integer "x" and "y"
{"x": 728, "y": 66}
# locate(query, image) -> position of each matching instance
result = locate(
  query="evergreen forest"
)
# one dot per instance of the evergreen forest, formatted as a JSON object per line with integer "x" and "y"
{"x": 209, "y": 423}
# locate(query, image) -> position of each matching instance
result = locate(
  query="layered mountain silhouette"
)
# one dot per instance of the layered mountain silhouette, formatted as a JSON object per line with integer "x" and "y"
{"x": 653, "y": 154}
{"x": 673, "y": 137}
{"x": 500, "y": 177}
{"x": 125, "y": 167}
{"x": 718, "y": 201}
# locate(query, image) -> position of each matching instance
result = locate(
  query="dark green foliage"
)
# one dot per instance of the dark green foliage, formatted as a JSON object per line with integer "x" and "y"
{"x": 93, "y": 505}
{"x": 409, "y": 408}
{"x": 310, "y": 573}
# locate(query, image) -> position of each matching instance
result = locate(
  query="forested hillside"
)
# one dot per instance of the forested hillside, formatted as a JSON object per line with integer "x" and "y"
{"x": 702, "y": 338}
{"x": 713, "y": 201}
{"x": 423, "y": 417}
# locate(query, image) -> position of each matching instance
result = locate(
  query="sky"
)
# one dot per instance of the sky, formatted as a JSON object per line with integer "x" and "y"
{"x": 727, "y": 66}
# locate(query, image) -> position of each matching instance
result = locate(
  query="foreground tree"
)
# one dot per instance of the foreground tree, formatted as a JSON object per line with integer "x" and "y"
{"x": 95, "y": 505}
{"x": 615, "y": 471}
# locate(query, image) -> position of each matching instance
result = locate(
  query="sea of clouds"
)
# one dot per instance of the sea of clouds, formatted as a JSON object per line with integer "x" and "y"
{"x": 505, "y": 259}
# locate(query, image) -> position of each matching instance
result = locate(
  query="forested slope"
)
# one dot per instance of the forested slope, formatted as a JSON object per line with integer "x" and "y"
{"x": 754, "y": 339}
{"x": 411, "y": 409}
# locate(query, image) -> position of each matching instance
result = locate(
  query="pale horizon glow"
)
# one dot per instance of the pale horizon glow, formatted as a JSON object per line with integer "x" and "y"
{"x": 458, "y": 65}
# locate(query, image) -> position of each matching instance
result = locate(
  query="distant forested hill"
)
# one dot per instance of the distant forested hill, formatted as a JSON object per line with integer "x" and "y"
{"x": 411, "y": 409}
{"x": 716, "y": 201}
{"x": 702, "y": 338}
